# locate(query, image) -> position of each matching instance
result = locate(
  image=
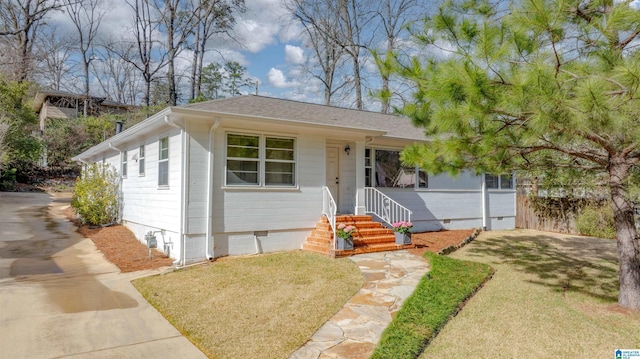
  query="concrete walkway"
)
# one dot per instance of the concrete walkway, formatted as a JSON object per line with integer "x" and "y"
{"x": 390, "y": 277}
{"x": 59, "y": 297}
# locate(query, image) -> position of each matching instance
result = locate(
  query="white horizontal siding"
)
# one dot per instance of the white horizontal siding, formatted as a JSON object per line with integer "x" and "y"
{"x": 456, "y": 208}
{"x": 197, "y": 200}
{"x": 247, "y": 243}
{"x": 255, "y": 209}
{"x": 144, "y": 202}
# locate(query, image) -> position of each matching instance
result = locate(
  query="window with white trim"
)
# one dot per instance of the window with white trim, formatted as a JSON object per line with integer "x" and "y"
{"x": 260, "y": 160}
{"x": 124, "y": 164}
{"x": 383, "y": 168}
{"x": 141, "y": 161}
{"x": 502, "y": 181}
{"x": 506, "y": 181}
{"x": 163, "y": 162}
{"x": 491, "y": 181}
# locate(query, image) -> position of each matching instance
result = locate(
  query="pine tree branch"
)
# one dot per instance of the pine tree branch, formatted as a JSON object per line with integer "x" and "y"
{"x": 628, "y": 40}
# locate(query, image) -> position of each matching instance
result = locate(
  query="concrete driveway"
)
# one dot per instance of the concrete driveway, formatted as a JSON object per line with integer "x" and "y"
{"x": 60, "y": 298}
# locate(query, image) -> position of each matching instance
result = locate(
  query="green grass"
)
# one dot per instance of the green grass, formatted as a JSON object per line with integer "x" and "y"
{"x": 552, "y": 296}
{"x": 253, "y": 307}
{"x": 437, "y": 297}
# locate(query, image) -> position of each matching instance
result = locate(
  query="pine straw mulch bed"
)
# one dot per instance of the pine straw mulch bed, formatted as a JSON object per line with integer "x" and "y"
{"x": 444, "y": 242}
{"x": 120, "y": 247}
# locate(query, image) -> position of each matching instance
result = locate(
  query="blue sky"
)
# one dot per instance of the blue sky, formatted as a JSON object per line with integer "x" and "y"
{"x": 266, "y": 43}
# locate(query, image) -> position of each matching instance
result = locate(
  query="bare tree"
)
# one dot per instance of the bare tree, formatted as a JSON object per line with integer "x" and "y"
{"x": 178, "y": 21}
{"x": 392, "y": 16}
{"x": 212, "y": 17}
{"x": 19, "y": 23}
{"x": 336, "y": 24}
{"x": 321, "y": 31}
{"x": 86, "y": 16}
{"x": 118, "y": 79}
{"x": 144, "y": 52}
{"x": 53, "y": 61}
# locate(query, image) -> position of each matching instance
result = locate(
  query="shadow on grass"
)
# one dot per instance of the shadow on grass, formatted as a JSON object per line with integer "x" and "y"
{"x": 566, "y": 264}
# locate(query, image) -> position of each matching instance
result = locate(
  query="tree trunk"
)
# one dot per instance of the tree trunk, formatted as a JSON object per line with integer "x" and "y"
{"x": 627, "y": 238}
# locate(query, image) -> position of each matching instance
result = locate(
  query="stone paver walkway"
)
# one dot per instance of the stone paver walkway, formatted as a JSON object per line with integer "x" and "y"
{"x": 390, "y": 277}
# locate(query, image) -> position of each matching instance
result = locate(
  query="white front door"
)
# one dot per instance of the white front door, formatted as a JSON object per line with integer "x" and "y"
{"x": 333, "y": 171}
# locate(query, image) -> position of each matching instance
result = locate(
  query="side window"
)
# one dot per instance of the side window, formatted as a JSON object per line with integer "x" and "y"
{"x": 124, "y": 164}
{"x": 141, "y": 161}
{"x": 502, "y": 181}
{"x": 163, "y": 162}
{"x": 491, "y": 181}
{"x": 506, "y": 181}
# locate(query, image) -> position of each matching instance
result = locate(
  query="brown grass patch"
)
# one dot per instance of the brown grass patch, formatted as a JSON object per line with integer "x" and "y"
{"x": 263, "y": 306}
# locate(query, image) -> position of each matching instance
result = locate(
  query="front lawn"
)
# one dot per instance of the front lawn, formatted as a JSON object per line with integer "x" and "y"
{"x": 552, "y": 295}
{"x": 262, "y": 306}
{"x": 437, "y": 297}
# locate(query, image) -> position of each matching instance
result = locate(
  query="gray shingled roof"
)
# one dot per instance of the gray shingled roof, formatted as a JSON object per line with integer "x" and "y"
{"x": 253, "y": 105}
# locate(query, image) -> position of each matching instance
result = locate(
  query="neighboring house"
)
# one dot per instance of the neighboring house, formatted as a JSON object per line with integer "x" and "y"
{"x": 58, "y": 104}
{"x": 250, "y": 173}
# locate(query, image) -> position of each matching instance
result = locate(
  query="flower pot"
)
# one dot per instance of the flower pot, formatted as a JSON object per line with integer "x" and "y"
{"x": 403, "y": 238}
{"x": 345, "y": 244}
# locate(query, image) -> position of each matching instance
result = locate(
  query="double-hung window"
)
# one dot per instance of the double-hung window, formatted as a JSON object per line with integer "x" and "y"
{"x": 260, "y": 160}
{"x": 141, "y": 161}
{"x": 124, "y": 164}
{"x": 163, "y": 162}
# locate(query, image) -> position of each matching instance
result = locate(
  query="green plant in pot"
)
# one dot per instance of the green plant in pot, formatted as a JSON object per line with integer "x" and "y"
{"x": 402, "y": 230}
{"x": 344, "y": 233}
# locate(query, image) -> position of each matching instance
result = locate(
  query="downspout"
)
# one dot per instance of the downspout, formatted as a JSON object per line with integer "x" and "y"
{"x": 484, "y": 203}
{"x": 181, "y": 260}
{"x": 120, "y": 195}
{"x": 209, "y": 234}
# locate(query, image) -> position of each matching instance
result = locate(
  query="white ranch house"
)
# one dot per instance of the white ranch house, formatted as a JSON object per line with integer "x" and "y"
{"x": 251, "y": 174}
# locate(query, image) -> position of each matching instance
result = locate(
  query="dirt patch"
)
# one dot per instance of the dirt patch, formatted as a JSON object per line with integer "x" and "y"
{"x": 120, "y": 247}
{"x": 436, "y": 241}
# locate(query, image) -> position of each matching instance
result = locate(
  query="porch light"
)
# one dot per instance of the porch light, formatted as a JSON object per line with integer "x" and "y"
{"x": 347, "y": 149}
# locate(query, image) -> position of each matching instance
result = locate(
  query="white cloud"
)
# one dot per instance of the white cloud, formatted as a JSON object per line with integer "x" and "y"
{"x": 277, "y": 78}
{"x": 294, "y": 54}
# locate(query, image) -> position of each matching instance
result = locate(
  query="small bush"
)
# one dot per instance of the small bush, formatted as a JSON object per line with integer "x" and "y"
{"x": 95, "y": 197}
{"x": 596, "y": 221}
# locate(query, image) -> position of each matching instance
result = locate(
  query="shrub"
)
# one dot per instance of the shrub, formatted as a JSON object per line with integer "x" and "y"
{"x": 95, "y": 197}
{"x": 596, "y": 221}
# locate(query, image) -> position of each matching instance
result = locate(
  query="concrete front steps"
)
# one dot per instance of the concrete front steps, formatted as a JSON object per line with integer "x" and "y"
{"x": 369, "y": 237}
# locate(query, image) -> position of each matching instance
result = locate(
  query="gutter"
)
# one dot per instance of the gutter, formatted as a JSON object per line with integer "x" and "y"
{"x": 181, "y": 260}
{"x": 209, "y": 234}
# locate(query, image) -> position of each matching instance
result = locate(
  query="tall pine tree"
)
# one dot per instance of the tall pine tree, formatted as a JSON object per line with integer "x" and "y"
{"x": 538, "y": 85}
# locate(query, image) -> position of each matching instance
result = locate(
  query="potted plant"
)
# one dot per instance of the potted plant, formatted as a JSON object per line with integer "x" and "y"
{"x": 402, "y": 230}
{"x": 345, "y": 236}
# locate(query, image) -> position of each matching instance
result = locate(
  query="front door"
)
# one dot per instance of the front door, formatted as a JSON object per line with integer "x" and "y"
{"x": 333, "y": 171}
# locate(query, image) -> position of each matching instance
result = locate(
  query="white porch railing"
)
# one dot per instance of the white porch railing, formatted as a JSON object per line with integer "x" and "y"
{"x": 329, "y": 210}
{"x": 384, "y": 207}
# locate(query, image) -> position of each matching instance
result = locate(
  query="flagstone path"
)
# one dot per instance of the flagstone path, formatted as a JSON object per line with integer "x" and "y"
{"x": 390, "y": 277}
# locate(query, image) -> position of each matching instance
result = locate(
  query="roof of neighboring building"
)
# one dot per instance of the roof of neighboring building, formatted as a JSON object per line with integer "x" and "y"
{"x": 270, "y": 107}
{"x": 41, "y": 96}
